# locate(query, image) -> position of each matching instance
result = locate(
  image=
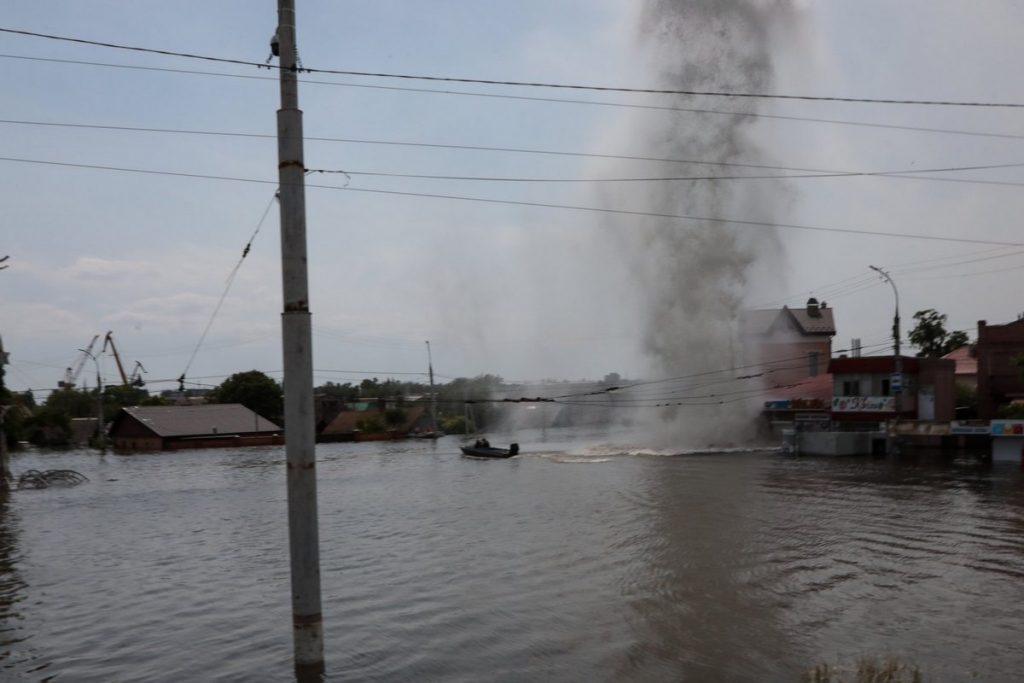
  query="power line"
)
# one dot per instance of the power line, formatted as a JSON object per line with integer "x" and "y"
{"x": 848, "y": 174}
{"x": 227, "y": 288}
{"x": 557, "y": 100}
{"x": 971, "y": 274}
{"x": 843, "y": 287}
{"x": 811, "y": 172}
{"x": 544, "y": 205}
{"x": 528, "y": 84}
{"x": 705, "y": 373}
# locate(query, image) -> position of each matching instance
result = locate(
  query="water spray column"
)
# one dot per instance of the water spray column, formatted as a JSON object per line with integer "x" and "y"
{"x": 296, "y": 337}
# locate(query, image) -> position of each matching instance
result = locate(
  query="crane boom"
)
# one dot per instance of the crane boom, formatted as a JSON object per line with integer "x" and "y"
{"x": 109, "y": 341}
{"x": 71, "y": 374}
{"x": 136, "y": 378}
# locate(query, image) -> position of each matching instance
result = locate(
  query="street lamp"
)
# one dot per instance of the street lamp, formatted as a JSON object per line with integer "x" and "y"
{"x": 897, "y": 387}
{"x": 99, "y": 401}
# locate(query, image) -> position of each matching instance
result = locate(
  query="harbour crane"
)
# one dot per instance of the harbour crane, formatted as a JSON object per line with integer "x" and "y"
{"x": 71, "y": 374}
{"x": 136, "y": 378}
{"x": 108, "y": 341}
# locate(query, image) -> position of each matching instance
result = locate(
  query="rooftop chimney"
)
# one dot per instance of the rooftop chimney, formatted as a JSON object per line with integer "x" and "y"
{"x": 812, "y": 308}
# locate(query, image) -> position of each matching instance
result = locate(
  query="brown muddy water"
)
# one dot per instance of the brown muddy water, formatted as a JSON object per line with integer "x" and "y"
{"x": 580, "y": 560}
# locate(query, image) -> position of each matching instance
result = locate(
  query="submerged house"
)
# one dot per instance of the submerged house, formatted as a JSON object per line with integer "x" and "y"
{"x": 379, "y": 420}
{"x": 169, "y": 428}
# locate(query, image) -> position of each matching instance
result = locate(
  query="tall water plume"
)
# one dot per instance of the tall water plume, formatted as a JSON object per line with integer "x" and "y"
{"x": 693, "y": 276}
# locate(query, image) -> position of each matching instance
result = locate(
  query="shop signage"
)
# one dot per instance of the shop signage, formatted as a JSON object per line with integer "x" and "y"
{"x": 1007, "y": 427}
{"x": 862, "y": 404}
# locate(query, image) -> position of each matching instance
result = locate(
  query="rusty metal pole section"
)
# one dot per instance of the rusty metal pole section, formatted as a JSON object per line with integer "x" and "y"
{"x": 296, "y": 337}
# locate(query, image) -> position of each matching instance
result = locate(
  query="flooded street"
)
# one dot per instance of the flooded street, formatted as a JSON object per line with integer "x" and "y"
{"x": 579, "y": 560}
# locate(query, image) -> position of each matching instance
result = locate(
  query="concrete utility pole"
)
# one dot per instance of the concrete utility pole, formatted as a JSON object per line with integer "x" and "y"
{"x": 5, "y": 471}
{"x": 897, "y": 359}
{"x": 101, "y": 440}
{"x": 297, "y": 344}
{"x": 433, "y": 396}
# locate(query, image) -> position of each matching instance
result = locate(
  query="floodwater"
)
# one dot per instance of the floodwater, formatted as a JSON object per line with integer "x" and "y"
{"x": 580, "y": 560}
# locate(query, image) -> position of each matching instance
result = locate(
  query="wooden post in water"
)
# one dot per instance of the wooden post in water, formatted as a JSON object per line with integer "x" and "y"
{"x": 296, "y": 338}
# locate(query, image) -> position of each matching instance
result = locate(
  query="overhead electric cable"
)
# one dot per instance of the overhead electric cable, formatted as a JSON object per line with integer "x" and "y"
{"x": 813, "y": 172}
{"x": 837, "y": 174}
{"x": 513, "y": 83}
{"x": 544, "y": 205}
{"x": 705, "y": 373}
{"x": 227, "y": 288}
{"x": 557, "y": 100}
{"x": 959, "y": 275}
{"x": 824, "y": 290}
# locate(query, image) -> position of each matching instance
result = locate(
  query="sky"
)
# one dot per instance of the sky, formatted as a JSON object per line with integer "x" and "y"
{"x": 523, "y": 291}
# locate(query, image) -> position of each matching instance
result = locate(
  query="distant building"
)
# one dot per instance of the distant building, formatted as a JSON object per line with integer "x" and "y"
{"x": 788, "y": 344}
{"x": 966, "y": 365}
{"x": 217, "y": 425}
{"x": 82, "y": 430}
{"x": 379, "y": 420}
{"x": 1000, "y": 354}
{"x": 863, "y": 389}
{"x": 188, "y": 397}
{"x": 326, "y": 407}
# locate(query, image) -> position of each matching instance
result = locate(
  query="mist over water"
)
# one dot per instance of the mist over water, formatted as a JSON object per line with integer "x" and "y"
{"x": 694, "y": 276}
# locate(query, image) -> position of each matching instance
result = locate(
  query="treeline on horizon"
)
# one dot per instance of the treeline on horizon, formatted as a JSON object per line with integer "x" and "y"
{"x": 48, "y": 423}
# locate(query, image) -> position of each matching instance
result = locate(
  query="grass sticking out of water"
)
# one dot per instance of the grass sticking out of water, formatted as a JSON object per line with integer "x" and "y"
{"x": 868, "y": 670}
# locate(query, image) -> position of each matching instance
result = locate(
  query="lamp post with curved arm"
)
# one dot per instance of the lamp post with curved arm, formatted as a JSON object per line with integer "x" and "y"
{"x": 100, "y": 436}
{"x": 897, "y": 359}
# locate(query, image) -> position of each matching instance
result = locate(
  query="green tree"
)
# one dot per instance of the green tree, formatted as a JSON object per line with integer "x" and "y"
{"x": 254, "y": 390}
{"x": 394, "y": 417}
{"x": 346, "y": 392}
{"x": 19, "y": 412}
{"x": 371, "y": 425}
{"x": 930, "y": 335}
{"x": 72, "y": 402}
{"x": 49, "y": 426}
{"x": 451, "y": 398}
{"x": 119, "y": 396}
{"x": 966, "y": 398}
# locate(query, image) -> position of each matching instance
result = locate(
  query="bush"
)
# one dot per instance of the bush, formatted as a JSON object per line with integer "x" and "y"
{"x": 453, "y": 424}
{"x": 868, "y": 670}
{"x": 371, "y": 425}
{"x": 1014, "y": 411}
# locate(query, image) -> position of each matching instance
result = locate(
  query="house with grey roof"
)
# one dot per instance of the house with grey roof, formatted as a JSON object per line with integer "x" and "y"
{"x": 168, "y": 428}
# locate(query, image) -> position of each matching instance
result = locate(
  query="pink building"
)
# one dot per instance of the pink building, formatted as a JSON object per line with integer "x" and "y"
{"x": 790, "y": 344}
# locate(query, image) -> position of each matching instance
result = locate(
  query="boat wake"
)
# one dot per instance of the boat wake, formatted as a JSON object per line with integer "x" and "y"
{"x": 619, "y": 450}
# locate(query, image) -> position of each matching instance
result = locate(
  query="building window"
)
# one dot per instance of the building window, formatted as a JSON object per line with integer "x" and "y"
{"x": 812, "y": 361}
{"x": 885, "y": 387}
{"x": 851, "y": 388}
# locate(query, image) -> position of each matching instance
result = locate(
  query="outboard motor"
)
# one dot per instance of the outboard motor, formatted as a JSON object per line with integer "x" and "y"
{"x": 513, "y": 449}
